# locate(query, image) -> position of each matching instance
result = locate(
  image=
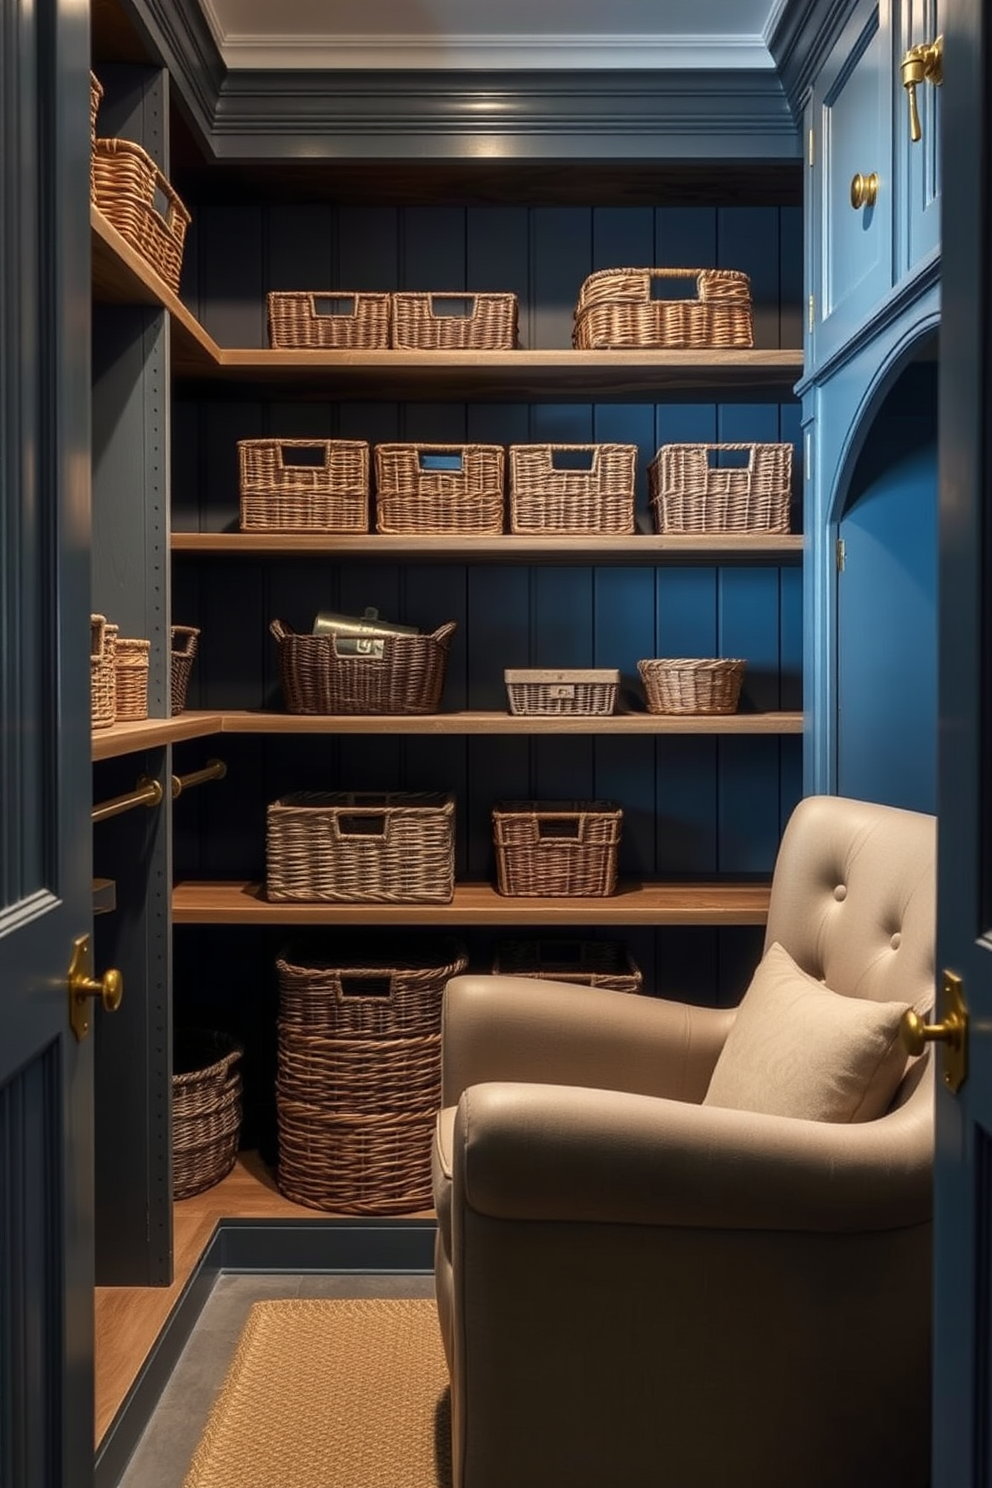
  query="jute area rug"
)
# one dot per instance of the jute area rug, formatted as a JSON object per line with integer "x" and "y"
{"x": 331, "y": 1393}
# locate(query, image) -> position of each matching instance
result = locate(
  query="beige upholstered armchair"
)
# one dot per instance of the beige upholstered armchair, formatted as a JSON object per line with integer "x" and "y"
{"x": 652, "y": 1270}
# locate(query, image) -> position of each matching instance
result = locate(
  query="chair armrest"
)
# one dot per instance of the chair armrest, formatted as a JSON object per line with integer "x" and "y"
{"x": 559, "y": 1153}
{"x": 520, "y": 1028}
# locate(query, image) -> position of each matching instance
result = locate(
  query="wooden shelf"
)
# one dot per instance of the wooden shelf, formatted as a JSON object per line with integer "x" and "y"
{"x": 485, "y": 722}
{"x": 150, "y": 733}
{"x": 709, "y": 903}
{"x": 640, "y": 547}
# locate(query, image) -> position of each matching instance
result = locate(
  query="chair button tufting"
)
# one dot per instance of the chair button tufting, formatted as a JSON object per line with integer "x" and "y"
{"x": 896, "y": 940}
{"x": 840, "y": 893}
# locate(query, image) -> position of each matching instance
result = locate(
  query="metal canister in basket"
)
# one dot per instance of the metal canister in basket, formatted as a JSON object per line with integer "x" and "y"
{"x": 359, "y": 635}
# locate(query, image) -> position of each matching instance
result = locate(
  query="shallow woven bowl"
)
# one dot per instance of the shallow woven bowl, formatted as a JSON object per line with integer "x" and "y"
{"x": 692, "y": 684}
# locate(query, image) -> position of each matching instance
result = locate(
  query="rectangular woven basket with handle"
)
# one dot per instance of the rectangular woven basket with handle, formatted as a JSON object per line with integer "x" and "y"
{"x": 556, "y": 848}
{"x": 697, "y": 488}
{"x": 616, "y": 308}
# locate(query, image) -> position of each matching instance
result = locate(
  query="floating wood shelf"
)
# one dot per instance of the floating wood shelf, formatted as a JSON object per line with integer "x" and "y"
{"x": 639, "y": 547}
{"x": 484, "y": 722}
{"x": 150, "y": 733}
{"x": 121, "y": 276}
{"x": 709, "y": 903}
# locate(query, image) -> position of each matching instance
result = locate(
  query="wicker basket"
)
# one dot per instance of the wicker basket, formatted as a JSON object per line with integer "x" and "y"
{"x": 361, "y": 848}
{"x": 135, "y": 197}
{"x": 692, "y": 685}
{"x": 363, "y": 988}
{"x": 185, "y": 639}
{"x": 689, "y": 493}
{"x": 533, "y": 692}
{"x": 206, "y": 1110}
{"x": 549, "y": 492}
{"x": 439, "y": 488}
{"x": 96, "y": 94}
{"x": 329, "y": 320}
{"x": 454, "y": 322}
{"x": 103, "y": 672}
{"x": 395, "y": 674}
{"x": 589, "y": 963}
{"x": 616, "y": 309}
{"x": 556, "y": 848}
{"x": 283, "y": 492}
{"x": 131, "y": 661}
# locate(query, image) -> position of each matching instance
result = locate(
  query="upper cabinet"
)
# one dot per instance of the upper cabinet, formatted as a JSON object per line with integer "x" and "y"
{"x": 872, "y": 149}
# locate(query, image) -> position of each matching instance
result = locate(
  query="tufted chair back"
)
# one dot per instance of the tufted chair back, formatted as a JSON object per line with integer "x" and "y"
{"x": 853, "y": 898}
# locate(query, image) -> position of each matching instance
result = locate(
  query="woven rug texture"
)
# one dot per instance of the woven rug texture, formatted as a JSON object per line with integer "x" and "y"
{"x": 331, "y": 1393}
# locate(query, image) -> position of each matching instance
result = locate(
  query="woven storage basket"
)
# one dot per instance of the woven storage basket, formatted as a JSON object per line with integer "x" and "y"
{"x": 549, "y": 494}
{"x": 454, "y": 321}
{"x": 589, "y": 963}
{"x": 533, "y": 692}
{"x": 689, "y": 493}
{"x": 103, "y": 672}
{"x": 400, "y": 674}
{"x": 616, "y": 309}
{"x": 360, "y": 988}
{"x": 560, "y": 848}
{"x": 96, "y": 94}
{"x": 281, "y": 492}
{"x": 131, "y": 660}
{"x": 135, "y": 197}
{"x": 329, "y": 320}
{"x": 361, "y": 848}
{"x": 206, "y": 1110}
{"x": 185, "y": 639}
{"x": 439, "y": 488}
{"x": 692, "y": 685}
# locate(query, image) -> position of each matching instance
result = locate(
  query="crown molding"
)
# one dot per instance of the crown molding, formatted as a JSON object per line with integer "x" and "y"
{"x": 242, "y": 51}
{"x": 799, "y": 35}
{"x": 178, "y": 32}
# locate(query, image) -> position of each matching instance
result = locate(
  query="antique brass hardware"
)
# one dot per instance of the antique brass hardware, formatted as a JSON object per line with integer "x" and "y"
{"x": 921, "y": 64}
{"x": 952, "y": 1033}
{"x": 83, "y": 985}
{"x": 147, "y": 792}
{"x": 864, "y": 190}
{"x": 214, "y": 769}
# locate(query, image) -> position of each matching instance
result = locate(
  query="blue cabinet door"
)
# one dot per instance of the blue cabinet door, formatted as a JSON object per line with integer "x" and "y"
{"x": 917, "y": 161}
{"x": 852, "y": 124}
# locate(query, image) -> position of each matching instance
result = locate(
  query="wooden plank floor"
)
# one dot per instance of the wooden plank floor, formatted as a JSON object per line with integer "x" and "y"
{"x": 129, "y": 1319}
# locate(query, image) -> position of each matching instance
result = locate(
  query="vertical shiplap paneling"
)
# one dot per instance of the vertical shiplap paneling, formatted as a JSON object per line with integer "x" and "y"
{"x": 433, "y": 249}
{"x": 624, "y": 617}
{"x": 368, "y": 248}
{"x": 498, "y": 259}
{"x": 231, "y": 274}
{"x": 561, "y": 258}
{"x": 301, "y": 248}
{"x": 791, "y": 274}
{"x": 748, "y": 239}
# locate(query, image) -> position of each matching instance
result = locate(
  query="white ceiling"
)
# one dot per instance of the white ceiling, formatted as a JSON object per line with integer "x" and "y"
{"x": 545, "y": 34}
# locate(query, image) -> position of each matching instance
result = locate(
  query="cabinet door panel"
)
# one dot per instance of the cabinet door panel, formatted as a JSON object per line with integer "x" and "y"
{"x": 917, "y": 161}
{"x": 854, "y": 135}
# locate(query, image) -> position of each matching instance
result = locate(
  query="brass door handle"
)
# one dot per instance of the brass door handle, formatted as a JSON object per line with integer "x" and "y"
{"x": 864, "y": 190}
{"x": 83, "y": 985}
{"x": 921, "y": 64}
{"x": 952, "y": 1032}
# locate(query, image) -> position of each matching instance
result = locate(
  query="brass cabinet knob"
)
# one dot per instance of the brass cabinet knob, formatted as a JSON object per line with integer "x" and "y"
{"x": 83, "y": 985}
{"x": 864, "y": 190}
{"x": 109, "y": 988}
{"x": 952, "y": 1032}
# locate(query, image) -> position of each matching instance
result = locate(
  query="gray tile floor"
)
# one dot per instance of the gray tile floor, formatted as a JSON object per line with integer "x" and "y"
{"x": 162, "y": 1456}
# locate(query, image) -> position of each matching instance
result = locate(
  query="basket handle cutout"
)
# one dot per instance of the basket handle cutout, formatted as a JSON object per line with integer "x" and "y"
{"x": 438, "y": 460}
{"x": 362, "y": 824}
{"x": 574, "y": 459}
{"x": 334, "y": 305}
{"x": 560, "y": 826}
{"x": 312, "y": 456}
{"x": 358, "y": 988}
{"x": 723, "y": 457}
{"x": 162, "y": 204}
{"x": 671, "y": 284}
{"x": 460, "y": 307}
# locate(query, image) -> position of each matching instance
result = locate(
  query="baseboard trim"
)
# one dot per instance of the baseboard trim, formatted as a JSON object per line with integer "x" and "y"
{"x": 346, "y": 1246}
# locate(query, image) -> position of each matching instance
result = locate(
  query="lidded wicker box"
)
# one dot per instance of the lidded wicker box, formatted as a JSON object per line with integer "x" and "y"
{"x": 136, "y": 198}
{"x": 439, "y": 488}
{"x": 384, "y": 674}
{"x": 206, "y": 1109}
{"x": 454, "y": 321}
{"x": 103, "y": 672}
{"x": 329, "y": 320}
{"x": 572, "y": 487}
{"x": 361, "y": 847}
{"x": 572, "y": 692}
{"x": 697, "y": 488}
{"x": 556, "y": 848}
{"x": 589, "y": 963}
{"x": 680, "y": 684}
{"x": 132, "y": 660}
{"x": 307, "y": 485}
{"x": 359, "y": 1070}
{"x": 185, "y": 640}
{"x": 617, "y": 308}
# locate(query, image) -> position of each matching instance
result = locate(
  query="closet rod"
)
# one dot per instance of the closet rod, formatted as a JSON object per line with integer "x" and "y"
{"x": 146, "y": 793}
{"x": 214, "y": 769}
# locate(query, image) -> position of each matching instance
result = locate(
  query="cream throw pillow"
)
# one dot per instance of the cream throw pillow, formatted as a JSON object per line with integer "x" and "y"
{"x": 798, "y": 1049}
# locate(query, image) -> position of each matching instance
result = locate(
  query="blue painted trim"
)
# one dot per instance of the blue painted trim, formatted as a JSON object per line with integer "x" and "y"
{"x": 800, "y": 40}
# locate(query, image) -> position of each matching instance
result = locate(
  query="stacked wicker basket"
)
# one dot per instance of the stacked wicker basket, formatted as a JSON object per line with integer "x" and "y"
{"x": 119, "y": 669}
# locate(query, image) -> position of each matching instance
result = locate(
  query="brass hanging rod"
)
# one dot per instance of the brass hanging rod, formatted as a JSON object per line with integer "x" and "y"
{"x": 146, "y": 792}
{"x": 214, "y": 769}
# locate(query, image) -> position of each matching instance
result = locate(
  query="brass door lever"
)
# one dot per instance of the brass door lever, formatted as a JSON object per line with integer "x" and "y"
{"x": 921, "y": 64}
